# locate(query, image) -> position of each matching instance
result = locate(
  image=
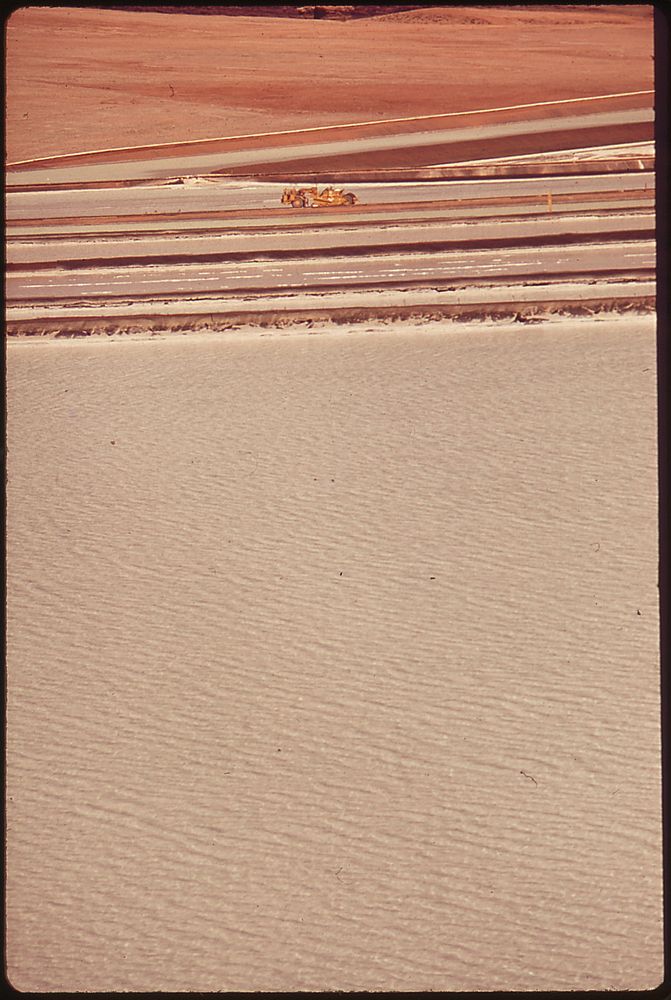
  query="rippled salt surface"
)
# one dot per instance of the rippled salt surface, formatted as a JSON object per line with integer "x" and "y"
{"x": 326, "y": 667}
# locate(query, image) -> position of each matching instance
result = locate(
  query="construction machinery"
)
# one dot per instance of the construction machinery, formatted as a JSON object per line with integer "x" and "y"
{"x": 312, "y": 197}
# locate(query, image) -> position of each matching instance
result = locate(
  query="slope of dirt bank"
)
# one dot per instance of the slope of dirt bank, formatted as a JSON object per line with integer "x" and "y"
{"x": 520, "y": 14}
{"x": 87, "y": 79}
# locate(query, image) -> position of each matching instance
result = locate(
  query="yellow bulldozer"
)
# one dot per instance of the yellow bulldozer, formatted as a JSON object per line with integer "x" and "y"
{"x": 312, "y": 197}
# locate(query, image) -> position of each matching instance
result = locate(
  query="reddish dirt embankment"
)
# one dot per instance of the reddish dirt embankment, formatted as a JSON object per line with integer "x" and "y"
{"x": 82, "y": 79}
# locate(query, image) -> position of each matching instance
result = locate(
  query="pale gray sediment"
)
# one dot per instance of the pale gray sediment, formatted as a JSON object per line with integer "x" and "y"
{"x": 333, "y": 660}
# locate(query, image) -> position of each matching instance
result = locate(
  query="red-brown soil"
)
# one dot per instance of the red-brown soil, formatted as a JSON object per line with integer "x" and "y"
{"x": 81, "y": 79}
